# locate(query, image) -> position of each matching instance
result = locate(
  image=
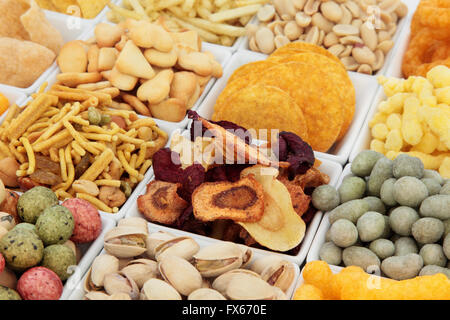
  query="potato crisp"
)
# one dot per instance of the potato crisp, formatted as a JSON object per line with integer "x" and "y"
{"x": 316, "y": 82}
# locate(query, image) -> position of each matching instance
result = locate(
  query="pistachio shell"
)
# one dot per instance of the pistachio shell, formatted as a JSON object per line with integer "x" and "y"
{"x": 260, "y": 264}
{"x": 245, "y": 287}
{"x": 125, "y": 242}
{"x": 119, "y": 283}
{"x": 221, "y": 282}
{"x": 279, "y": 294}
{"x": 180, "y": 274}
{"x": 217, "y": 259}
{"x": 154, "y": 240}
{"x": 183, "y": 247}
{"x": 155, "y": 289}
{"x": 280, "y": 274}
{"x": 247, "y": 255}
{"x": 140, "y": 271}
{"x": 96, "y": 295}
{"x": 120, "y": 296}
{"x": 136, "y": 222}
{"x": 101, "y": 266}
{"x": 206, "y": 294}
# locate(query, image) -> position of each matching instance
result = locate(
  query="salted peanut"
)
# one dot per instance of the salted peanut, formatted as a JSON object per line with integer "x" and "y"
{"x": 321, "y": 37}
{"x": 121, "y": 44}
{"x": 149, "y": 35}
{"x": 92, "y": 56}
{"x": 86, "y": 186}
{"x": 347, "y": 51}
{"x": 107, "y": 35}
{"x": 350, "y": 63}
{"x": 343, "y": 30}
{"x": 121, "y": 81}
{"x": 266, "y": 13}
{"x": 379, "y": 61}
{"x": 351, "y": 40}
{"x": 197, "y": 62}
{"x": 389, "y": 5}
{"x": 281, "y": 41}
{"x": 285, "y": 9}
{"x": 8, "y": 168}
{"x": 363, "y": 55}
{"x": 172, "y": 109}
{"x": 278, "y": 30}
{"x": 365, "y": 68}
{"x": 302, "y": 19}
{"x": 311, "y": 7}
{"x": 132, "y": 62}
{"x": 401, "y": 10}
{"x": 72, "y": 57}
{"x": 336, "y": 49}
{"x": 189, "y": 39}
{"x": 331, "y": 11}
{"x": 357, "y": 23}
{"x": 299, "y": 4}
{"x": 107, "y": 58}
{"x": 385, "y": 46}
{"x": 292, "y": 30}
{"x": 321, "y": 22}
{"x": 383, "y": 35}
{"x": 252, "y": 44}
{"x": 369, "y": 35}
{"x": 136, "y": 104}
{"x": 353, "y": 8}
{"x": 346, "y": 15}
{"x": 330, "y": 40}
{"x": 161, "y": 59}
{"x": 313, "y": 35}
{"x": 157, "y": 89}
{"x": 183, "y": 86}
{"x": 264, "y": 38}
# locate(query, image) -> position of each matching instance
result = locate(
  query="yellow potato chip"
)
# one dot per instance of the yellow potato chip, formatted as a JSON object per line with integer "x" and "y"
{"x": 299, "y": 47}
{"x": 62, "y": 5}
{"x": 91, "y": 8}
{"x": 253, "y": 67}
{"x": 265, "y": 107}
{"x": 40, "y": 29}
{"x": 10, "y": 25}
{"x": 340, "y": 78}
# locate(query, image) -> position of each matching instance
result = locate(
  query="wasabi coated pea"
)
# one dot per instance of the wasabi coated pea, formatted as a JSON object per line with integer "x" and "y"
{"x": 446, "y": 227}
{"x": 437, "y": 206}
{"x": 387, "y": 192}
{"x": 380, "y": 173}
{"x": 446, "y": 246}
{"x": 410, "y": 191}
{"x": 432, "y": 185}
{"x": 433, "y": 254}
{"x": 430, "y": 270}
{"x": 370, "y": 226}
{"x": 404, "y": 246}
{"x": 364, "y": 162}
{"x": 402, "y": 267}
{"x": 383, "y": 248}
{"x": 401, "y": 220}
{"x": 375, "y": 204}
{"x": 350, "y": 210}
{"x": 360, "y": 256}
{"x": 330, "y": 253}
{"x": 352, "y": 188}
{"x": 445, "y": 190}
{"x": 405, "y": 165}
{"x": 387, "y": 228}
{"x": 94, "y": 116}
{"x": 328, "y": 236}
{"x": 26, "y": 226}
{"x": 55, "y": 225}
{"x": 432, "y": 174}
{"x": 427, "y": 230}
{"x": 343, "y": 233}
{"x": 325, "y": 198}
{"x": 8, "y": 294}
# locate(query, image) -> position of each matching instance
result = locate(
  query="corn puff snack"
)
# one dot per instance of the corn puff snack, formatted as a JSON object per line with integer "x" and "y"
{"x": 352, "y": 283}
{"x": 77, "y": 146}
{"x": 415, "y": 119}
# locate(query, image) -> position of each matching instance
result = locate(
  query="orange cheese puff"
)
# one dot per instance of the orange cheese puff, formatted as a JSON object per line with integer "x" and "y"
{"x": 318, "y": 274}
{"x": 435, "y": 287}
{"x": 308, "y": 292}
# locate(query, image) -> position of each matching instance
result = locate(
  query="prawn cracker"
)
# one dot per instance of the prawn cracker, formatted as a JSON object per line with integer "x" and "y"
{"x": 319, "y": 99}
{"x": 91, "y": 8}
{"x": 340, "y": 79}
{"x": 23, "y": 62}
{"x": 40, "y": 29}
{"x": 10, "y": 25}
{"x": 265, "y": 107}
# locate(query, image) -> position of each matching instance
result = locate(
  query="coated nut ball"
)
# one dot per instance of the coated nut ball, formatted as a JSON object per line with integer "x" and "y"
{"x": 427, "y": 230}
{"x": 325, "y": 198}
{"x": 352, "y": 188}
{"x": 387, "y": 192}
{"x": 404, "y": 246}
{"x": 343, "y": 233}
{"x": 375, "y": 204}
{"x": 330, "y": 253}
{"x": 433, "y": 174}
{"x": 433, "y": 254}
{"x": 383, "y": 248}
{"x": 402, "y": 267}
{"x": 381, "y": 171}
{"x": 364, "y": 162}
{"x": 445, "y": 190}
{"x": 410, "y": 191}
{"x": 432, "y": 185}
{"x": 370, "y": 226}
{"x": 350, "y": 210}
{"x": 437, "y": 206}
{"x": 360, "y": 256}
{"x": 405, "y": 165}
{"x": 401, "y": 220}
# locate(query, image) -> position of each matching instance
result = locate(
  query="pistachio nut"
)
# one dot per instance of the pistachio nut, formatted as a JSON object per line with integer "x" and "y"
{"x": 141, "y": 270}
{"x": 155, "y": 239}
{"x": 183, "y": 247}
{"x": 218, "y": 258}
{"x": 101, "y": 266}
{"x": 118, "y": 283}
{"x": 156, "y": 289}
{"x": 246, "y": 287}
{"x": 221, "y": 282}
{"x": 259, "y": 265}
{"x": 125, "y": 242}
{"x": 180, "y": 274}
{"x": 206, "y": 294}
{"x": 96, "y": 295}
{"x": 136, "y": 222}
{"x": 280, "y": 274}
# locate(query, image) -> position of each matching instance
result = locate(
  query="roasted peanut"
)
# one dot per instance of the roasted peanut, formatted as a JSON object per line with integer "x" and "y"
{"x": 8, "y": 168}
{"x": 331, "y": 11}
{"x": 266, "y": 13}
{"x": 86, "y": 186}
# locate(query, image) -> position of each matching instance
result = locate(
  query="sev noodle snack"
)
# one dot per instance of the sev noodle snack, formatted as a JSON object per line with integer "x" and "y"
{"x": 70, "y": 136}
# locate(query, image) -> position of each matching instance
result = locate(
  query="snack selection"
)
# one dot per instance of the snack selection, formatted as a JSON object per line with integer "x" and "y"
{"x": 415, "y": 119}
{"x": 40, "y": 242}
{"x": 70, "y": 141}
{"x": 29, "y": 43}
{"x": 393, "y": 216}
{"x": 429, "y": 44}
{"x": 226, "y": 188}
{"x": 359, "y": 33}
{"x": 139, "y": 265}
{"x": 87, "y": 9}
{"x": 142, "y": 66}
{"x": 220, "y": 22}
{"x": 352, "y": 283}
{"x": 320, "y": 115}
